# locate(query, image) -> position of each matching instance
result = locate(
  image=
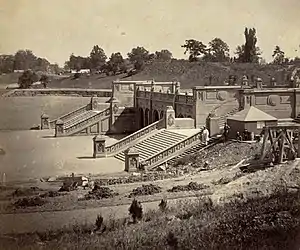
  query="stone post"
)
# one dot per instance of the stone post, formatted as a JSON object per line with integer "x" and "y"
{"x": 169, "y": 118}
{"x": 131, "y": 160}
{"x": 94, "y": 103}
{"x": 213, "y": 125}
{"x": 59, "y": 128}
{"x": 177, "y": 87}
{"x": 99, "y": 146}
{"x": 114, "y": 108}
{"x": 45, "y": 123}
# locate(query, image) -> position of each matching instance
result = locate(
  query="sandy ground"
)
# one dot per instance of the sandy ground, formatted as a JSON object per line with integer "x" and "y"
{"x": 35, "y": 154}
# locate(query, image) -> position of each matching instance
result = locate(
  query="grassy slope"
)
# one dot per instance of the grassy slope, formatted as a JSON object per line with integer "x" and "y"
{"x": 198, "y": 73}
{"x": 189, "y": 74}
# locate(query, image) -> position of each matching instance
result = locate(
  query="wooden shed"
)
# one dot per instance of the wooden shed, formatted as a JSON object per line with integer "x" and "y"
{"x": 252, "y": 119}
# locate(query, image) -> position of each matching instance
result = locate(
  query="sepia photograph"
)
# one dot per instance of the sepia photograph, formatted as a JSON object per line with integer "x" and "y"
{"x": 150, "y": 124}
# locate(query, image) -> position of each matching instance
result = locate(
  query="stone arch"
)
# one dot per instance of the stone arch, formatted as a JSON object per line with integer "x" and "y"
{"x": 162, "y": 113}
{"x": 147, "y": 112}
{"x": 141, "y": 117}
{"x": 155, "y": 116}
{"x": 180, "y": 116}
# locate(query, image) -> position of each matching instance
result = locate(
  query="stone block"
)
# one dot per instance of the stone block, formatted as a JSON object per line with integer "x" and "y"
{"x": 59, "y": 128}
{"x": 131, "y": 160}
{"x": 45, "y": 122}
{"x": 99, "y": 146}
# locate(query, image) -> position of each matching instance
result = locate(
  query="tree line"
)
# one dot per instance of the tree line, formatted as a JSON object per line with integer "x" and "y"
{"x": 217, "y": 50}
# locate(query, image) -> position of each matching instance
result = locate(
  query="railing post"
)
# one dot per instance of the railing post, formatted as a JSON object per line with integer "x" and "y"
{"x": 99, "y": 147}
{"x": 131, "y": 160}
{"x": 114, "y": 107}
{"x": 169, "y": 118}
{"x": 94, "y": 103}
{"x": 45, "y": 123}
{"x": 59, "y": 128}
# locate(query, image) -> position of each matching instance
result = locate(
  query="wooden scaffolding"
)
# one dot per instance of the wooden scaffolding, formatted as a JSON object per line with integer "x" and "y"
{"x": 278, "y": 143}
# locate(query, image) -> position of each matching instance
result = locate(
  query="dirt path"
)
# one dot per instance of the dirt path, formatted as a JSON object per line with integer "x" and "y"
{"x": 30, "y": 222}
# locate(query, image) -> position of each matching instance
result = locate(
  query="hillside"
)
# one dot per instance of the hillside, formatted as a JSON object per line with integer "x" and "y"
{"x": 189, "y": 74}
{"x": 198, "y": 73}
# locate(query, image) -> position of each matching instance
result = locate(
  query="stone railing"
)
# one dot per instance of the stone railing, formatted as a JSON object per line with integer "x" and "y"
{"x": 163, "y": 155}
{"x": 71, "y": 114}
{"x": 120, "y": 145}
{"x": 88, "y": 121}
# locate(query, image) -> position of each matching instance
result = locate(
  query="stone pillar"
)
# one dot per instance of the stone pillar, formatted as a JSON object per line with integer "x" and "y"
{"x": 169, "y": 118}
{"x": 131, "y": 160}
{"x": 59, "y": 128}
{"x": 298, "y": 153}
{"x": 213, "y": 126}
{"x": 94, "y": 103}
{"x": 45, "y": 123}
{"x": 114, "y": 108}
{"x": 177, "y": 87}
{"x": 99, "y": 146}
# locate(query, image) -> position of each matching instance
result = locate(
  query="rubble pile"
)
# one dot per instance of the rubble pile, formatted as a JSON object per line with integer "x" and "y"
{"x": 26, "y": 191}
{"x": 99, "y": 192}
{"x": 51, "y": 194}
{"x": 151, "y": 176}
{"x": 218, "y": 155}
{"x": 29, "y": 202}
{"x": 192, "y": 186}
{"x": 145, "y": 190}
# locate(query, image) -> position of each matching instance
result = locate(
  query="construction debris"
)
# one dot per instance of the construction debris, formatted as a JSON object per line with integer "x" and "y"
{"x": 192, "y": 186}
{"x": 99, "y": 192}
{"x": 149, "y": 189}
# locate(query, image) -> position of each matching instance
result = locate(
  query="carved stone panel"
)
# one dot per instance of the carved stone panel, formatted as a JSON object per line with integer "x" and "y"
{"x": 261, "y": 100}
{"x": 274, "y": 100}
{"x": 222, "y": 95}
{"x": 211, "y": 95}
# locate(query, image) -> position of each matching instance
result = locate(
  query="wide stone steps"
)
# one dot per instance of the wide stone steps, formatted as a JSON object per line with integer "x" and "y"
{"x": 79, "y": 118}
{"x": 154, "y": 144}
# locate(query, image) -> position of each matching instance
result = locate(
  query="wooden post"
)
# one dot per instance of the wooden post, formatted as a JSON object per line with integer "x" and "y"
{"x": 265, "y": 141}
{"x": 281, "y": 146}
{"x": 298, "y": 144}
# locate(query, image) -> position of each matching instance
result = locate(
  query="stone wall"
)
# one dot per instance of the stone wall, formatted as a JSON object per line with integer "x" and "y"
{"x": 221, "y": 99}
{"x": 61, "y": 92}
{"x": 280, "y": 103}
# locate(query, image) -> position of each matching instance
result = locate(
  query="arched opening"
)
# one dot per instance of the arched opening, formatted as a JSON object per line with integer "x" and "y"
{"x": 155, "y": 116}
{"x": 162, "y": 114}
{"x": 189, "y": 116}
{"x": 180, "y": 116}
{"x": 142, "y": 118}
{"x": 147, "y": 117}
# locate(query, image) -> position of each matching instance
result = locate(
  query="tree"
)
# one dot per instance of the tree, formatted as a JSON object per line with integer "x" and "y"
{"x": 251, "y": 52}
{"x": 218, "y": 51}
{"x": 41, "y": 64}
{"x": 97, "y": 57}
{"x": 24, "y": 60}
{"x": 136, "y": 210}
{"x": 116, "y": 63}
{"x": 138, "y": 56}
{"x": 240, "y": 52}
{"x": 163, "y": 55}
{"x": 194, "y": 48}
{"x": 44, "y": 80}
{"x": 278, "y": 56}
{"x": 6, "y": 63}
{"x": 27, "y": 79}
{"x": 78, "y": 62}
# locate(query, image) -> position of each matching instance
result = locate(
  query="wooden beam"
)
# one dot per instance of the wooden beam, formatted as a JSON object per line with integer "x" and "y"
{"x": 265, "y": 141}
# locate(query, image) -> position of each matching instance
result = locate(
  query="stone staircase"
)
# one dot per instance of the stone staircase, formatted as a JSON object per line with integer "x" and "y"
{"x": 160, "y": 141}
{"x": 80, "y": 118}
{"x": 223, "y": 118}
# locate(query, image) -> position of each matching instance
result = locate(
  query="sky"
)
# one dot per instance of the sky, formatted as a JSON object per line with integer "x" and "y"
{"x": 56, "y": 28}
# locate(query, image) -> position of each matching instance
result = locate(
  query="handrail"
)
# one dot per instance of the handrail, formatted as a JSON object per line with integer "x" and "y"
{"x": 87, "y": 121}
{"x": 72, "y": 113}
{"x": 160, "y": 156}
{"x": 130, "y": 138}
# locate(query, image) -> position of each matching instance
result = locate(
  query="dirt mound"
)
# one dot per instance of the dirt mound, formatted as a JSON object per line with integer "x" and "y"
{"x": 51, "y": 194}
{"x": 145, "y": 190}
{"x": 99, "y": 192}
{"x": 29, "y": 202}
{"x": 192, "y": 186}
{"x": 219, "y": 155}
{"x": 26, "y": 191}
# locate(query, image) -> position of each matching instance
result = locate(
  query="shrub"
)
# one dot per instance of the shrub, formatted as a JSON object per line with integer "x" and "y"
{"x": 163, "y": 205}
{"x": 30, "y": 202}
{"x": 136, "y": 211}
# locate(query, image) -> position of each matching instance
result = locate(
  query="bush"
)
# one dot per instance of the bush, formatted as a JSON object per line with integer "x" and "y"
{"x": 99, "y": 192}
{"x": 77, "y": 75}
{"x": 30, "y": 202}
{"x": 145, "y": 190}
{"x": 136, "y": 211}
